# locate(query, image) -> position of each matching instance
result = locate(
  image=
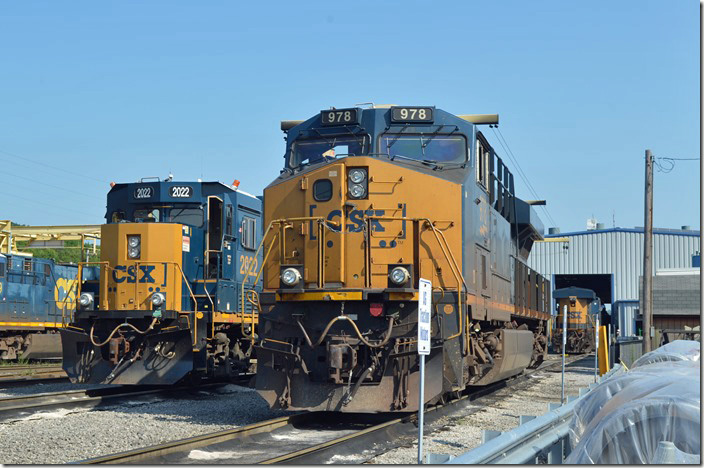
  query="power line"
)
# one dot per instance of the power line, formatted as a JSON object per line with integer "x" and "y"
{"x": 510, "y": 154}
{"x": 40, "y": 163}
{"x": 42, "y": 183}
{"x": 666, "y": 165}
{"x": 45, "y": 204}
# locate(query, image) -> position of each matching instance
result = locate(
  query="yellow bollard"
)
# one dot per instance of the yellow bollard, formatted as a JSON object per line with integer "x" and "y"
{"x": 603, "y": 351}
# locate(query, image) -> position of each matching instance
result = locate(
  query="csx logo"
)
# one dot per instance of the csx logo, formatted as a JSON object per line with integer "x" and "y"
{"x": 132, "y": 274}
{"x": 574, "y": 315}
{"x": 356, "y": 219}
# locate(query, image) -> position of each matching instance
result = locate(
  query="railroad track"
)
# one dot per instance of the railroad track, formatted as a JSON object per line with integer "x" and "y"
{"x": 21, "y": 407}
{"x": 305, "y": 438}
{"x": 14, "y": 376}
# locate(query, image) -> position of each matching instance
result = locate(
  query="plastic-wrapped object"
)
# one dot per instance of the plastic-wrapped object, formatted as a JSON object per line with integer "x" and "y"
{"x": 679, "y": 350}
{"x": 625, "y": 418}
{"x": 668, "y": 453}
{"x": 635, "y": 384}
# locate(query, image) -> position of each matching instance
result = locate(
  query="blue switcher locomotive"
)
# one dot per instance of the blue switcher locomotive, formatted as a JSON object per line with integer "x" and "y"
{"x": 37, "y": 297}
{"x": 177, "y": 296}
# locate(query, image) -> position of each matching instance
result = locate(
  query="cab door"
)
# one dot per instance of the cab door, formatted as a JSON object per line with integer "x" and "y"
{"x": 213, "y": 245}
{"x": 324, "y": 198}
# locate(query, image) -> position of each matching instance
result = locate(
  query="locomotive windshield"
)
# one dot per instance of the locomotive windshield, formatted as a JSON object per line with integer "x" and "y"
{"x": 192, "y": 216}
{"x": 311, "y": 151}
{"x": 430, "y": 148}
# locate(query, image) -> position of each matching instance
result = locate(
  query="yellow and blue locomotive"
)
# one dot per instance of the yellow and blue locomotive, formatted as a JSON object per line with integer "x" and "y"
{"x": 37, "y": 298}
{"x": 370, "y": 200}
{"x": 175, "y": 298}
{"x": 583, "y": 306}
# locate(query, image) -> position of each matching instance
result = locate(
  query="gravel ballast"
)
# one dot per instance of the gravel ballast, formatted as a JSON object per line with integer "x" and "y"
{"x": 458, "y": 433}
{"x": 62, "y": 436}
{"x": 70, "y": 435}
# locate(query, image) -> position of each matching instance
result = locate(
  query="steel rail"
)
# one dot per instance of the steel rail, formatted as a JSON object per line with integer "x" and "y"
{"x": 12, "y": 408}
{"x": 14, "y": 376}
{"x": 173, "y": 449}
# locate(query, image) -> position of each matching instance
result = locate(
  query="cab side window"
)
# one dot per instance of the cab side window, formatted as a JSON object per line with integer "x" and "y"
{"x": 249, "y": 230}
{"x": 482, "y": 154}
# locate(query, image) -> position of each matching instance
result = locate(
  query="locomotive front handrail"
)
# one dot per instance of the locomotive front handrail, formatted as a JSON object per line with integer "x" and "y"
{"x": 103, "y": 287}
{"x": 103, "y": 284}
{"x": 284, "y": 223}
{"x": 449, "y": 257}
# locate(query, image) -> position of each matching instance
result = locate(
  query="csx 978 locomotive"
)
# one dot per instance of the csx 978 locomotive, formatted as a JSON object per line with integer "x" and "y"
{"x": 369, "y": 201}
{"x": 176, "y": 297}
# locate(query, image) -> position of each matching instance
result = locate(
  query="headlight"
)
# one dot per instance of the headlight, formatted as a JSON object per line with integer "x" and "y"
{"x": 85, "y": 299}
{"x": 133, "y": 252}
{"x": 357, "y": 191}
{"x": 290, "y": 276}
{"x": 134, "y": 246}
{"x": 357, "y": 176}
{"x": 399, "y": 275}
{"x": 158, "y": 299}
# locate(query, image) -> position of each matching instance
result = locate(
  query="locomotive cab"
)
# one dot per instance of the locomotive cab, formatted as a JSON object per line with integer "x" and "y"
{"x": 175, "y": 296}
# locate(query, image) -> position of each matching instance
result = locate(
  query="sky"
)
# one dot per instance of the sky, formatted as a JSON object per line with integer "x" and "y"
{"x": 94, "y": 92}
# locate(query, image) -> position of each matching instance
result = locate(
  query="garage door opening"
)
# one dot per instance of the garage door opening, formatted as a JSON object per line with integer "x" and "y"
{"x": 600, "y": 284}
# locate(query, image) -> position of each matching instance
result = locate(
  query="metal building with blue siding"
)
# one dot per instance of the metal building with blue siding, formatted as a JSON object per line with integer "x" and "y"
{"x": 610, "y": 262}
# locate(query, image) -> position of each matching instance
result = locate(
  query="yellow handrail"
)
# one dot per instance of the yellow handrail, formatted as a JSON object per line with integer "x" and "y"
{"x": 449, "y": 257}
{"x": 282, "y": 223}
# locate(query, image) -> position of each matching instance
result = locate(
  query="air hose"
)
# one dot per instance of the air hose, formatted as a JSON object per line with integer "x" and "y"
{"x": 150, "y": 328}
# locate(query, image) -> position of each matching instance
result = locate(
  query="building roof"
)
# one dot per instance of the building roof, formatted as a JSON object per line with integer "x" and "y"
{"x": 617, "y": 252}
{"x": 639, "y": 230}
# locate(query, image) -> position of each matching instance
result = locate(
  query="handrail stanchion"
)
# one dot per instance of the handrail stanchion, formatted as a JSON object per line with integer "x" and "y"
{"x": 564, "y": 348}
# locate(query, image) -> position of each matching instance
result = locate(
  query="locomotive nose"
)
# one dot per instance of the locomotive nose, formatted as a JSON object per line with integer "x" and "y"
{"x": 143, "y": 259}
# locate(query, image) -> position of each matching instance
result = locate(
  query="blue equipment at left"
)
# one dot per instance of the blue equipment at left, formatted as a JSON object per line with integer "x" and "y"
{"x": 37, "y": 297}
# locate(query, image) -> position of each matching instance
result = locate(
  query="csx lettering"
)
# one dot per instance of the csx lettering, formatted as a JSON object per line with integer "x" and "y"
{"x": 574, "y": 315}
{"x": 122, "y": 273}
{"x": 356, "y": 218}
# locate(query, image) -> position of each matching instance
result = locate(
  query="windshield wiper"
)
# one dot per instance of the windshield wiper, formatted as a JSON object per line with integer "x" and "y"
{"x": 420, "y": 161}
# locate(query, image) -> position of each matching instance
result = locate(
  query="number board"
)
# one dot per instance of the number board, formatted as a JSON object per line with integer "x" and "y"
{"x": 411, "y": 114}
{"x": 180, "y": 191}
{"x": 339, "y": 117}
{"x": 425, "y": 305}
{"x": 142, "y": 193}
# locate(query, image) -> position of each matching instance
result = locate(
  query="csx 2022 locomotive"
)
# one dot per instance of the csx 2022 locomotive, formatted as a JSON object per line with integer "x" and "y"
{"x": 176, "y": 297}
{"x": 369, "y": 201}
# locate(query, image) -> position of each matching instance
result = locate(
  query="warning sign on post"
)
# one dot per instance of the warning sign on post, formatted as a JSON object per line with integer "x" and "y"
{"x": 425, "y": 303}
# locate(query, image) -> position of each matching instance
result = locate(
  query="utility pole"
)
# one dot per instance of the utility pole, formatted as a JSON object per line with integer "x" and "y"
{"x": 647, "y": 253}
